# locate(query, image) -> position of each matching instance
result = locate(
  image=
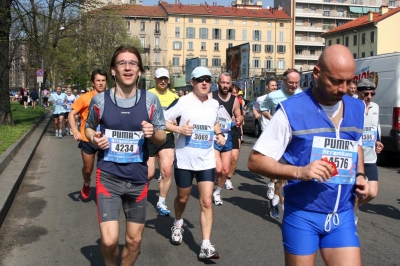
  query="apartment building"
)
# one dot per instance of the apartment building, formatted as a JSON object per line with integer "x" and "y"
{"x": 206, "y": 31}
{"x": 314, "y": 17}
{"x": 372, "y": 34}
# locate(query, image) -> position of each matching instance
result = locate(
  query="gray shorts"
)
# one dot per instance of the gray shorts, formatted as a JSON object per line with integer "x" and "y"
{"x": 112, "y": 191}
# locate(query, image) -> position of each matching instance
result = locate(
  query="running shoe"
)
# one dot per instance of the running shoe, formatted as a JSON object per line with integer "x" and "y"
{"x": 60, "y": 135}
{"x": 217, "y": 199}
{"x": 159, "y": 178}
{"x": 208, "y": 252}
{"x": 228, "y": 185}
{"x": 85, "y": 192}
{"x": 162, "y": 209}
{"x": 274, "y": 211}
{"x": 176, "y": 235}
{"x": 270, "y": 190}
{"x": 56, "y": 135}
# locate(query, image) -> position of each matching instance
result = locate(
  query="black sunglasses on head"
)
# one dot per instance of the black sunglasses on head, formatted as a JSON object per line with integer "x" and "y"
{"x": 368, "y": 93}
{"x": 201, "y": 79}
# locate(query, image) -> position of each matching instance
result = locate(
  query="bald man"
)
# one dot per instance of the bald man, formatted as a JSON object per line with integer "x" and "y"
{"x": 317, "y": 138}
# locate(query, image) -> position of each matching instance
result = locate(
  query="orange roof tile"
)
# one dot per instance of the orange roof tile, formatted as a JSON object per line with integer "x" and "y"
{"x": 137, "y": 10}
{"x": 362, "y": 21}
{"x": 222, "y": 11}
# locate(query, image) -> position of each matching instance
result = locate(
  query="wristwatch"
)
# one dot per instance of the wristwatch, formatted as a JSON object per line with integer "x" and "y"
{"x": 219, "y": 133}
{"x": 365, "y": 177}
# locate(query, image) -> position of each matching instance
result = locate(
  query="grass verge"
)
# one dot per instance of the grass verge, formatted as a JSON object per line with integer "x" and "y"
{"x": 23, "y": 119}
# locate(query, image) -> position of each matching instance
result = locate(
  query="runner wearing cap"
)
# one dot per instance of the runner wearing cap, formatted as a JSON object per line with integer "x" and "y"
{"x": 164, "y": 152}
{"x": 195, "y": 155}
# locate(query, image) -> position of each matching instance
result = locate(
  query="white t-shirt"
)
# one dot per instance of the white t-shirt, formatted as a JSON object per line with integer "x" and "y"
{"x": 256, "y": 106}
{"x": 195, "y": 152}
{"x": 277, "y": 135}
{"x": 372, "y": 127}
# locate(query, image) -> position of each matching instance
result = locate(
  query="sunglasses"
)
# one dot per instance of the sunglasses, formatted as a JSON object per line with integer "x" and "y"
{"x": 368, "y": 93}
{"x": 201, "y": 79}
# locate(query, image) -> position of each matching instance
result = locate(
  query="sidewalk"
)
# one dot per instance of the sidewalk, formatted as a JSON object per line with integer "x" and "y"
{"x": 15, "y": 160}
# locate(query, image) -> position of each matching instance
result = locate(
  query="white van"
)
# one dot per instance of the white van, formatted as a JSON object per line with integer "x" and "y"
{"x": 385, "y": 71}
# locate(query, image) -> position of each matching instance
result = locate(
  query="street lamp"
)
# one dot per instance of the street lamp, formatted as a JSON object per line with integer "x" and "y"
{"x": 365, "y": 38}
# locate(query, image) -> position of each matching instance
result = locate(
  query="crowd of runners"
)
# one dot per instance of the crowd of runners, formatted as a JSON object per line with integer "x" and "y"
{"x": 317, "y": 150}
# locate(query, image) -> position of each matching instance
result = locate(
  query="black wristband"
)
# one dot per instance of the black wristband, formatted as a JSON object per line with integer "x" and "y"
{"x": 219, "y": 133}
{"x": 363, "y": 175}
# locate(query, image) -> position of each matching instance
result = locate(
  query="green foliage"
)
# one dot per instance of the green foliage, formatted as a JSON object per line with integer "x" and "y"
{"x": 23, "y": 119}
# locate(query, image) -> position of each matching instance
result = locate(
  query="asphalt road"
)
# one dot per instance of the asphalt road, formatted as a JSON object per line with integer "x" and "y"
{"x": 48, "y": 223}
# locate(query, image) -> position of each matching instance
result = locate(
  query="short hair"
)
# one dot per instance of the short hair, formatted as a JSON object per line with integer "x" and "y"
{"x": 98, "y": 72}
{"x": 130, "y": 49}
{"x": 270, "y": 80}
{"x": 289, "y": 71}
{"x": 234, "y": 86}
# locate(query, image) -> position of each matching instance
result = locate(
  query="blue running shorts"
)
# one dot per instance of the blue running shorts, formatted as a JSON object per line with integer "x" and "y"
{"x": 226, "y": 147}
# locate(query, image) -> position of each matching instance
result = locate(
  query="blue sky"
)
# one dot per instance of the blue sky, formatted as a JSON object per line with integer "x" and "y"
{"x": 220, "y": 2}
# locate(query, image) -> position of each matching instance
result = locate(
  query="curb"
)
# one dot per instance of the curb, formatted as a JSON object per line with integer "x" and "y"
{"x": 11, "y": 173}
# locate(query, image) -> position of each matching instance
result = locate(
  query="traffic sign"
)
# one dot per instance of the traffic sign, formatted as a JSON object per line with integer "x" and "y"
{"x": 39, "y": 79}
{"x": 39, "y": 73}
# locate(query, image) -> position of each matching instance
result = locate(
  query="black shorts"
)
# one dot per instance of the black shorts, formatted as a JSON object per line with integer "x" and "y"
{"x": 112, "y": 192}
{"x": 371, "y": 171}
{"x": 87, "y": 147}
{"x": 45, "y": 99}
{"x": 66, "y": 115}
{"x": 24, "y": 98}
{"x": 58, "y": 115}
{"x": 184, "y": 178}
{"x": 169, "y": 144}
{"x": 235, "y": 141}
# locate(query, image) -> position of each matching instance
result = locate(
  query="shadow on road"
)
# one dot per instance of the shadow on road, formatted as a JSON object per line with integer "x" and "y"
{"x": 381, "y": 209}
{"x": 93, "y": 254}
{"x": 76, "y": 196}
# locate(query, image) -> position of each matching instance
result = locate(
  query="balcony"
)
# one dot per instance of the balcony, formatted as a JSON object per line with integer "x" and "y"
{"x": 326, "y": 14}
{"x": 306, "y": 55}
{"x": 310, "y": 41}
{"x": 376, "y": 3}
{"x": 157, "y": 32}
{"x": 309, "y": 28}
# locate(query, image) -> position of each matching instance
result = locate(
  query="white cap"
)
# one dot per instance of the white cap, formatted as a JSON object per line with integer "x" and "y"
{"x": 83, "y": 91}
{"x": 200, "y": 71}
{"x": 161, "y": 72}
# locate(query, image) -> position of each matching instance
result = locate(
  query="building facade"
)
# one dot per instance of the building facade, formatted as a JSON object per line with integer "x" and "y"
{"x": 312, "y": 18}
{"x": 372, "y": 34}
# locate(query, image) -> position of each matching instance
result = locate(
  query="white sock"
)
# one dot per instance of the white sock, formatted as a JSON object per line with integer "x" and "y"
{"x": 283, "y": 207}
{"x": 205, "y": 242}
{"x": 217, "y": 191}
{"x": 161, "y": 199}
{"x": 270, "y": 184}
{"x": 178, "y": 223}
{"x": 275, "y": 200}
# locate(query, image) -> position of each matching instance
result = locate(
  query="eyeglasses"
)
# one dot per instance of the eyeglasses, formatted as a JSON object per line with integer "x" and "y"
{"x": 368, "y": 93}
{"x": 293, "y": 82}
{"x": 123, "y": 63}
{"x": 201, "y": 79}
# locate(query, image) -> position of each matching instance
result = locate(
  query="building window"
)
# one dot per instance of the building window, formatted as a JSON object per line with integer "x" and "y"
{"x": 338, "y": 41}
{"x": 230, "y": 34}
{"x": 256, "y": 23}
{"x": 363, "y": 54}
{"x": 190, "y": 20}
{"x": 281, "y": 36}
{"x": 203, "y": 20}
{"x": 203, "y": 46}
{"x": 281, "y": 49}
{"x": 244, "y": 22}
{"x": 216, "y": 34}
{"x": 327, "y": 13}
{"x": 216, "y": 62}
{"x": 128, "y": 25}
{"x": 299, "y": 51}
{"x": 391, "y": 3}
{"x": 312, "y": 52}
{"x": 371, "y": 53}
{"x": 363, "y": 38}
{"x": 354, "y": 56}
{"x": 281, "y": 24}
{"x": 269, "y": 48}
{"x": 175, "y": 61}
{"x": 230, "y": 22}
{"x": 269, "y": 64}
{"x": 203, "y": 33}
{"x": 190, "y": 32}
{"x": 256, "y": 48}
{"x": 281, "y": 64}
{"x": 269, "y": 24}
{"x": 230, "y": 45}
{"x": 216, "y": 46}
{"x": 244, "y": 35}
{"x": 256, "y": 35}
{"x": 177, "y": 19}
{"x": 355, "y": 39}
{"x": 190, "y": 45}
{"x": 157, "y": 41}
{"x": 216, "y": 21}
{"x": 313, "y": 8}
{"x": 177, "y": 32}
{"x": 157, "y": 58}
{"x": 372, "y": 36}
{"x": 269, "y": 36}
{"x": 143, "y": 41}
{"x": 329, "y": 42}
{"x": 346, "y": 41}
{"x": 204, "y": 62}
{"x": 157, "y": 27}
{"x": 256, "y": 63}
{"x": 142, "y": 26}
{"x": 177, "y": 45}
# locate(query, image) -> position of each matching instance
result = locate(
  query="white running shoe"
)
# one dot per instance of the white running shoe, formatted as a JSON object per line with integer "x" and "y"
{"x": 270, "y": 190}
{"x": 228, "y": 185}
{"x": 177, "y": 234}
{"x": 56, "y": 135}
{"x": 159, "y": 178}
{"x": 217, "y": 199}
{"x": 208, "y": 252}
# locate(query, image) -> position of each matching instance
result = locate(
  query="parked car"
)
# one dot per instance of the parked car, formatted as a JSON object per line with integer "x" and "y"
{"x": 251, "y": 124}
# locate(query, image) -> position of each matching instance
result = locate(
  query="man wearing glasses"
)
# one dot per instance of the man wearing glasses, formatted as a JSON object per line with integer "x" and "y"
{"x": 291, "y": 82}
{"x": 371, "y": 138}
{"x": 195, "y": 155}
{"x": 164, "y": 152}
